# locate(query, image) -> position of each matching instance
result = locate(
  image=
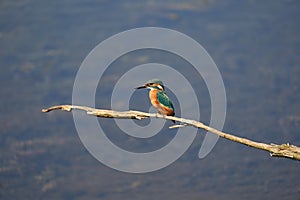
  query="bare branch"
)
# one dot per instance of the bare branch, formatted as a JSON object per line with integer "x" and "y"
{"x": 283, "y": 150}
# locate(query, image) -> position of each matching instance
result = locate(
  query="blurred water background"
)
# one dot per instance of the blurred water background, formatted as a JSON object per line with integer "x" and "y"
{"x": 255, "y": 44}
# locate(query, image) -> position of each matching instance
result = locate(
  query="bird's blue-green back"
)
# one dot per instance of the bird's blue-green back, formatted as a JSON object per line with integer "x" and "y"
{"x": 164, "y": 100}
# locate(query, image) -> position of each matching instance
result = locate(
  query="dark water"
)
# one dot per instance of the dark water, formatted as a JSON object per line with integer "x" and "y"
{"x": 255, "y": 45}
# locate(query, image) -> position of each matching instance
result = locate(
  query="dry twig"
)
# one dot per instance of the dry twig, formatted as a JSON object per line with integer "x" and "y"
{"x": 283, "y": 150}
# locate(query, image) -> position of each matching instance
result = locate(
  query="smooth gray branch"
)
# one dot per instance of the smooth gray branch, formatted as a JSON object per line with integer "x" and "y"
{"x": 283, "y": 150}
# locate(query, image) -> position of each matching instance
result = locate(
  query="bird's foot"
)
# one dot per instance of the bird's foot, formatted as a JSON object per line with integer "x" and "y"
{"x": 164, "y": 116}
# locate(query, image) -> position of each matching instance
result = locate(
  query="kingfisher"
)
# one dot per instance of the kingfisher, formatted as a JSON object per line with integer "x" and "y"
{"x": 158, "y": 97}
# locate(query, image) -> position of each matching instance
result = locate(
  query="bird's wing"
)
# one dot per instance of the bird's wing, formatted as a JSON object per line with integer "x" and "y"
{"x": 164, "y": 100}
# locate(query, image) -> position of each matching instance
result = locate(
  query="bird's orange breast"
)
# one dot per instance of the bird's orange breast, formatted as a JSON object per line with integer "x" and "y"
{"x": 153, "y": 97}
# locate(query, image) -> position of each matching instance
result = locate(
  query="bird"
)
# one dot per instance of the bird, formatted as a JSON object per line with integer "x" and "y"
{"x": 158, "y": 97}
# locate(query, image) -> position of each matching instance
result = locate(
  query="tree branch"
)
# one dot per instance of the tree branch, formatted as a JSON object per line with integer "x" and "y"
{"x": 283, "y": 150}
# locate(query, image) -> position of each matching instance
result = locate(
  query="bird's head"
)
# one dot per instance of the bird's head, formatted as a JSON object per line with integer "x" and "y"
{"x": 154, "y": 84}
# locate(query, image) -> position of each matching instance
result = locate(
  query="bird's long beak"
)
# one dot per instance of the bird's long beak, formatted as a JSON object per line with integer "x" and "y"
{"x": 141, "y": 87}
